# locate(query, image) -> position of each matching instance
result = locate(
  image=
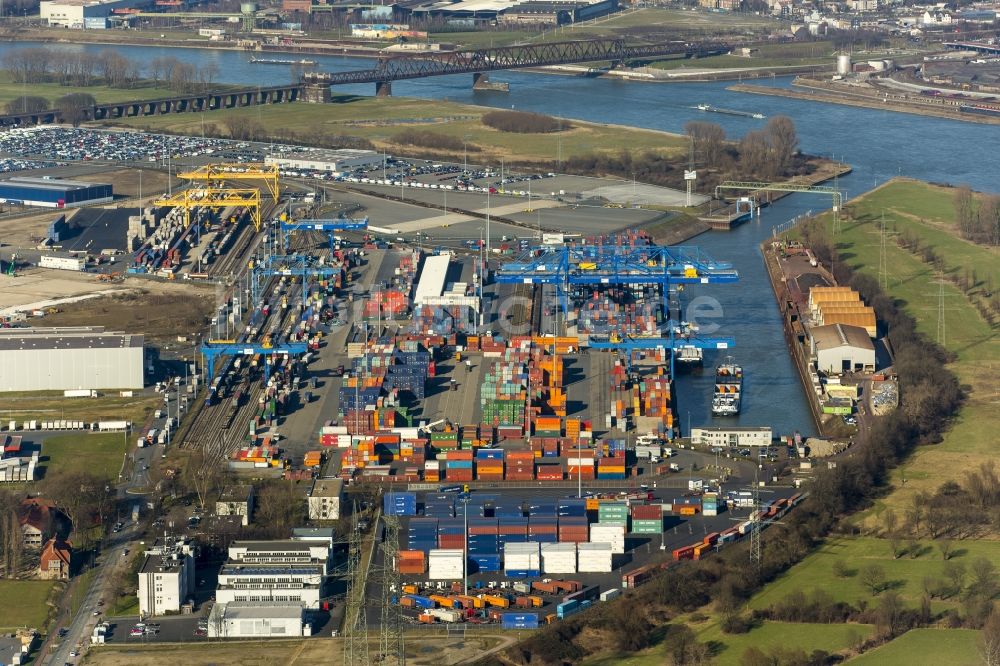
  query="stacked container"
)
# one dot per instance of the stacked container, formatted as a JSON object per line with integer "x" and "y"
{"x": 594, "y": 557}
{"x": 432, "y": 471}
{"x": 512, "y": 530}
{"x": 520, "y": 466}
{"x": 411, "y": 562}
{"x": 710, "y": 504}
{"x": 439, "y": 507}
{"x": 647, "y": 519}
{"x": 422, "y": 534}
{"x": 459, "y": 466}
{"x": 519, "y": 621}
{"x": 550, "y": 471}
{"x": 446, "y": 564}
{"x": 572, "y": 507}
{"x": 573, "y": 529}
{"x": 399, "y": 504}
{"x": 613, "y": 535}
{"x": 489, "y": 464}
{"x": 580, "y": 463}
{"x": 544, "y": 529}
{"x": 451, "y": 533}
{"x": 522, "y": 560}
{"x": 558, "y": 558}
{"x": 548, "y": 426}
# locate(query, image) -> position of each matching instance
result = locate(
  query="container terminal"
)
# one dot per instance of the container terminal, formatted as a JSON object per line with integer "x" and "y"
{"x": 511, "y": 405}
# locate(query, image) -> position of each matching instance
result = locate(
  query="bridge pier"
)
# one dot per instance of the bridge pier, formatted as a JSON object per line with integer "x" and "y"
{"x": 481, "y": 81}
{"x": 317, "y": 93}
{"x": 383, "y": 88}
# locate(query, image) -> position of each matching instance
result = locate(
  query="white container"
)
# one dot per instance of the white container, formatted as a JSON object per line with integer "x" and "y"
{"x": 613, "y": 535}
{"x": 559, "y": 558}
{"x": 446, "y": 564}
{"x": 581, "y": 462}
{"x": 594, "y": 557}
{"x": 522, "y": 556}
{"x": 613, "y": 593}
{"x": 446, "y": 615}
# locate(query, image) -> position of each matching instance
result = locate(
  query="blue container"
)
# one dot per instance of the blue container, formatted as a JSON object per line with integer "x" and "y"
{"x": 519, "y": 620}
{"x": 567, "y": 608}
{"x": 489, "y": 454}
{"x": 508, "y": 512}
{"x": 459, "y": 464}
{"x": 522, "y": 573}
{"x": 611, "y": 475}
{"x": 544, "y": 538}
{"x": 485, "y": 562}
{"x": 422, "y": 602}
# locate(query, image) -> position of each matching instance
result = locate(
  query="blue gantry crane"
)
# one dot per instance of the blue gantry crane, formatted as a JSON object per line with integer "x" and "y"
{"x": 329, "y": 227}
{"x": 292, "y": 265}
{"x": 215, "y": 348}
{"x": 678, "y": 336}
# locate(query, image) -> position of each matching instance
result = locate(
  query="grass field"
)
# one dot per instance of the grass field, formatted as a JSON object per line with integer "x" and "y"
{"x": 51, "y": 405}
{"x": 904, "y": 575}
{"x": 382, "y": 119}
{"x": 23, "y": 603}
{"x": 103, "y": 452}
{"x": 955, "y": 647}
{"x": 728, "y": 649}
{"x": 928, "y": 211}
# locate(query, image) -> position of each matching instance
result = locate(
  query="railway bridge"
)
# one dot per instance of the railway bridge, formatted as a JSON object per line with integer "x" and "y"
{"x": 479, "y": 62}
{"x": 213, "y": 100}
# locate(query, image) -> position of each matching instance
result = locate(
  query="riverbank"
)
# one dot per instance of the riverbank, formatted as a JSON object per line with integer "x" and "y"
{"x": 817, "y": 92}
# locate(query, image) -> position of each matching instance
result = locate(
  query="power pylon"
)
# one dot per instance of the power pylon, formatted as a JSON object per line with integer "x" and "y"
{"x": 391, "y": 629}
{"x": 755, "y": 526}
{"x": 355, "y": 625}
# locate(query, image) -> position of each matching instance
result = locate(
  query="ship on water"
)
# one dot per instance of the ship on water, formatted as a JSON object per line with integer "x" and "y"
{"x": 281, "y": 61}
{"x": 731, "y": 112}
{"x": 688, "y": 355}
{"x": 728, "y": 388}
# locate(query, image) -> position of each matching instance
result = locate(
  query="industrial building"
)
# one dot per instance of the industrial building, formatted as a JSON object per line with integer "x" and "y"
{"x": 324, "y": 501}
{"x": 839, "y": 348}
{"x": 53, "y": 192}
{"x": 278, "y": 571}
{"x": 559, "y": 12}
{"x": 236, "y": 501}
{"x": 47, "y": 359}
{"x": 732, "y": 436}
{"x": 433, "y": 288}
{"x": 89, "y": 14}
{"x": 62, "y": 261}
{"x": 259, "y": 619}
{"x": 166, "y": 579}
{"x": 336, "y": 161}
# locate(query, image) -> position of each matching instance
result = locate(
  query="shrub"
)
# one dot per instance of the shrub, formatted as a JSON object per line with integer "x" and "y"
{"x": 524, "y": 123}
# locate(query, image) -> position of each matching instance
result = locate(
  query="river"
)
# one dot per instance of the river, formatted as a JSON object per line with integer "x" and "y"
{"x": 877, "y": 144}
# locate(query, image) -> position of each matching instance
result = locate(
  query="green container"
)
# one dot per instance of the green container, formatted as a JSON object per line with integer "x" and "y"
{"x": 612, "y": 511}
{"x": 647, "y": 526}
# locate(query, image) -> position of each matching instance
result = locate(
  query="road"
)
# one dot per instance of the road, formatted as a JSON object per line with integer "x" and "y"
{"x": 83, "y": 624}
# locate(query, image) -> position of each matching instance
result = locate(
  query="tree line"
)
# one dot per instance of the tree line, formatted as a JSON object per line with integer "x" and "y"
{"x": 930, "y": 397}
{"x": 83, "y": 69}
{"x": 978, "y": 218}
{"x": 523, "y": 122}
{"x": 766, "y": 154}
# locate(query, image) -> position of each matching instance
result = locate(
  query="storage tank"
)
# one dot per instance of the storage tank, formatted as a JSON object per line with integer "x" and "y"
{"x": 844, "y": 64}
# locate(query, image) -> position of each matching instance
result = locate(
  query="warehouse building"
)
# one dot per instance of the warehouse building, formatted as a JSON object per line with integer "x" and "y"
{"x": 88, "y": 14}
{"x": 287, "y": 571}
{"x": 53, "y": 192}
{"x": 260, "y": 619}
{"x": 335, "y": 161}
{"x": 727, "y": 437}
{"x": 60, "y": 359}
{"x": 839, "y": 348}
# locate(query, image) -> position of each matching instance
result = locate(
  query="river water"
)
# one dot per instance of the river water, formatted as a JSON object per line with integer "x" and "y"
{"x": 877, "y": 144}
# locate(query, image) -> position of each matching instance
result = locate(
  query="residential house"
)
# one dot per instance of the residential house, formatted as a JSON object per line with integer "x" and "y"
{"x": 55, "y": 561}
{"x": 236, "y": 501}
{"x": 35, "y": 518}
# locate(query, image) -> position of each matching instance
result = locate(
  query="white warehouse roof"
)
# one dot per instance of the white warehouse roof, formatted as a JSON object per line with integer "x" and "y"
{"x": 432, "y": 278}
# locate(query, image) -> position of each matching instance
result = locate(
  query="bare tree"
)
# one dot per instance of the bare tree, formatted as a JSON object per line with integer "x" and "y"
{"x": 755, "y": 152}
{"x": 946, "y": 546}
{"x": 27, "y": 104}
{"x": 873, "y": 577}
{"x": 984, "y": 577}
{"x": 76, "y": 107}
{"x": 784, "y": 141}
{"x": 989, "y": 641}
{"x": 955, "y": 573}
{"x": 890, "y": 613}
{"x": 965, "y": 211}
{"x": 203, "y": 474}
{"x": 709, "y": 141}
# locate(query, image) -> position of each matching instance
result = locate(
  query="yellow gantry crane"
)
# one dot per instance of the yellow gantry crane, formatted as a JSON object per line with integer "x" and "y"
{"x": 212, "y": 173}
{"x": 215, "y": 197}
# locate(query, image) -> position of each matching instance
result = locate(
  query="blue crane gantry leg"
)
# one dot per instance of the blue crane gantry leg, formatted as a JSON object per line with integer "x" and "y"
{"x": 291, "y": 265}
{"x": 212, "y": 350}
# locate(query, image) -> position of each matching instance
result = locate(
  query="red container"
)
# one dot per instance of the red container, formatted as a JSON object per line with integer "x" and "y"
{"x": 647, "y": 511}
